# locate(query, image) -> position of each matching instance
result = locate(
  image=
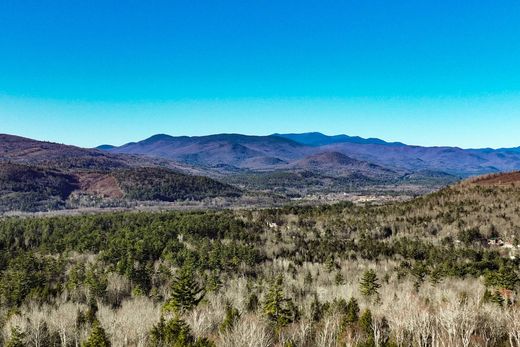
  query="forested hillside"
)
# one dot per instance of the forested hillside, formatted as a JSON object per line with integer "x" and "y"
{"x": 29, "y": 188}
{"x": 439, "y": 270}
{"x": 166, "y": 185}
{"x": 32, "y": 188}
{"x": 43, "y": 176}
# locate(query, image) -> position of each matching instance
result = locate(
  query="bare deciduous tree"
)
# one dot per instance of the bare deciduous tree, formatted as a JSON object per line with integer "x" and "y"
{"x": 250, "y": 331}
{"x": 63, "y": 321}
{"x": 513, "y": 321}
{"x": 328, "y": 332}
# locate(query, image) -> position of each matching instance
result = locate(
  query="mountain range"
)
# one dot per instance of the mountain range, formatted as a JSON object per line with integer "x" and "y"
{"x": 234, "y": 152}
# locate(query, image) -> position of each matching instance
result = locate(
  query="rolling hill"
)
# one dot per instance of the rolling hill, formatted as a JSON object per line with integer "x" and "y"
{"x": 338, "y": 164}
{"x": 37, "y": 176}
{"x": 30, "y": 188}
{"x": 21, "y": 150}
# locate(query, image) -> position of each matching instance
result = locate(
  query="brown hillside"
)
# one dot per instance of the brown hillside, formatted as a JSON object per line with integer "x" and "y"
{"x": 497, "y": 179}
{"x": 100, "y": 184}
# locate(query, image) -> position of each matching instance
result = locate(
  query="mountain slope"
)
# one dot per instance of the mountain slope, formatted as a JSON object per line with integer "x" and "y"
{"x": 157, "y": 184}
{"x": 452, "y": 160}
{"x": 21, "y": 150}
{"x": 31, "y": 189}
{"x": 241, "y": 151}
{"x": 334, "y": 163}
{"x": 501, "y": 179}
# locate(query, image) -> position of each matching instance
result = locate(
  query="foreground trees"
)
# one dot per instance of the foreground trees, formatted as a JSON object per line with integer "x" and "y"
{"x": 339, "y": 275}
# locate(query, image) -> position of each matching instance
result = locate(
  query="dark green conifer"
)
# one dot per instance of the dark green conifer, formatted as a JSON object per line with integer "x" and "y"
{"x": 252, "y": 303}
{"x": 175, "y": 333}
{"x": 277, "y": 308}
{"x": 369, "y": 284}
{"x": 352, "y": 314}
{"x": 339, "y": 279}
{"x": 186, "y": 292}
{"x": 365, "y": 323}
{"x": 97, "y": 337}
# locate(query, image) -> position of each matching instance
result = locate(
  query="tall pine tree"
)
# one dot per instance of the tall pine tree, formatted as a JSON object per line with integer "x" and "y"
{"x": 277, "y": 308}
{"x": 369, "y": 284}
{"x": 186, "y": 292}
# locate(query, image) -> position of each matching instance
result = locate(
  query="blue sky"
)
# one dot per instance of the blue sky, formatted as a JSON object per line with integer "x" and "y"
{"x": 421, "y": 72}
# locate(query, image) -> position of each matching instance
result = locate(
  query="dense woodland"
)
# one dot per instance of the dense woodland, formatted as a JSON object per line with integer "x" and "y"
{"x": 299, "y": 183}
{"x": 166, "y": 185}
{"x": 440, "y": 270}
{"x": 33, "y": 188}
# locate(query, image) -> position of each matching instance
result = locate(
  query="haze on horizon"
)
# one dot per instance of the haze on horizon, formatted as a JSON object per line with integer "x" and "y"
{"x": 425, "y": 73}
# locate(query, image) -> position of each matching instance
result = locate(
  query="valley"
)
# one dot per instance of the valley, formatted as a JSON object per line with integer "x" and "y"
{"x": 220, "y": 170}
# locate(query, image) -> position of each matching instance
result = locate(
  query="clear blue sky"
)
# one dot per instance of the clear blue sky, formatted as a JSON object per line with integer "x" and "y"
{"x": 422, "y": 72}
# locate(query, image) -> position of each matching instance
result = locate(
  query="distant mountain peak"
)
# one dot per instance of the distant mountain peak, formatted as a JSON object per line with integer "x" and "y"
{"x": 158, "y": 137}
{"x": 105, "y": 147}
{"x": 318, "y": 139}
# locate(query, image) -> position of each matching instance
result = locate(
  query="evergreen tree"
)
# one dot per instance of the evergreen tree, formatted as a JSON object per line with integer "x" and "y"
{"x": 369, "y": 284}
{"x": 317, "y": 309}
{"x": 365, "y": 323}
{"x": 175, "y": 333}
{"x": 16, "y": 339}
{"x": 352, "y": 314}
{"x": 186, "y": 292}
{"x": 214, "y": 283}
{"x": 330, "y": 264}
{"x": 96, "y": 282}
{"x": 97, "y": 337}
{"x": 277, "y": 308}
